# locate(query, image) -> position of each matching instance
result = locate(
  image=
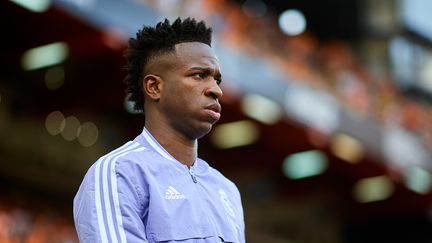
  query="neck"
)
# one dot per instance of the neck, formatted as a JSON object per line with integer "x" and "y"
{"x": 177, "y": 145}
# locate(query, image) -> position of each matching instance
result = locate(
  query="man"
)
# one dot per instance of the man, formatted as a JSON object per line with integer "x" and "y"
{"x": 154, "y": 188}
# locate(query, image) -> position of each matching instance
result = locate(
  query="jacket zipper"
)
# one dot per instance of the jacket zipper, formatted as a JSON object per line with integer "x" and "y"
{"x": 194, "y": 179}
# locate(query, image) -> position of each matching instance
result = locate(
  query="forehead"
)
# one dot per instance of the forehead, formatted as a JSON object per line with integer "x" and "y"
{"x": 195, "y": 53}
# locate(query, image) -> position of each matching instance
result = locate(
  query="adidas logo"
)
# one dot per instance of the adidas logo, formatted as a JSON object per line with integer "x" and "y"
{"x": 172, "y": 193}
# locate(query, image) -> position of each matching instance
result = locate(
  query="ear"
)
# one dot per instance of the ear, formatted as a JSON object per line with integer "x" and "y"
{"x": 152, "y": 85}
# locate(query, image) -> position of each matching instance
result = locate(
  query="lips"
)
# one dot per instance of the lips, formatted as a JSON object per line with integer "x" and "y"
{"x": 214, "y": 107}
{"x": 214, "y": 111}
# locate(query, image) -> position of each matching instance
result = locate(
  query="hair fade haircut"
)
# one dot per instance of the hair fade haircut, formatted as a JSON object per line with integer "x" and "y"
{"x": 151, "y": 42}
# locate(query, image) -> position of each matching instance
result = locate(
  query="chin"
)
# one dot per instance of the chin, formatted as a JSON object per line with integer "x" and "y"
{"x": 204, "y": 130}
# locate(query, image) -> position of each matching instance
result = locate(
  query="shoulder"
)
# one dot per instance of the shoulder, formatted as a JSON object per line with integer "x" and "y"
{"x": 122, "y": 158}
{"x": 128, "y": 157}
{"x": 131, "y": 151}
{"x": 118, "y": 170}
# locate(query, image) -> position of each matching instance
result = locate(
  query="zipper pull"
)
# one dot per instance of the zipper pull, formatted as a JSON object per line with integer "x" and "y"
{"x": 194, "y": 179}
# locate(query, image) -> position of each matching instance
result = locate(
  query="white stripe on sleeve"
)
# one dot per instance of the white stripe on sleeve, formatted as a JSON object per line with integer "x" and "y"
{"x": 116, "y": 198}
{"x": 98, "y": 189}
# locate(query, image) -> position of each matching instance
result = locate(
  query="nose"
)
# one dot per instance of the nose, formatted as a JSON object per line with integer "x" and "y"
{"x": 214, "y": 91}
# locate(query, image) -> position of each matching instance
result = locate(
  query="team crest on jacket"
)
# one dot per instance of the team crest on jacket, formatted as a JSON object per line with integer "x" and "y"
{"x": 226, "y": 203}
{"x": 228, "y": 208}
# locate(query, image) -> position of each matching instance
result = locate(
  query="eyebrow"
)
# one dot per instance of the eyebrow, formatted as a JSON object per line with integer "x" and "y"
{"x": 208, "y": 70}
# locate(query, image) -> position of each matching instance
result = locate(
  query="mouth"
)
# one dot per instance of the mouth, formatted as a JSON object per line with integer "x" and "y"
{"x": 214, "y": 107}
{"x": 214, "y": 110}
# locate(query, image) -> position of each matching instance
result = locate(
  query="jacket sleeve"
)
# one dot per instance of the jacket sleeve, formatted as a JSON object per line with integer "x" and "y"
{"x": 109, "y": 205}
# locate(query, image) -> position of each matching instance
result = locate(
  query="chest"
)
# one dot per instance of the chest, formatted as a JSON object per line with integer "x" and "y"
{"x": 180, "y": 208}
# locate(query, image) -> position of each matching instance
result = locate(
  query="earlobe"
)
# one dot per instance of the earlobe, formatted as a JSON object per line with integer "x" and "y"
{"x": 152, "y": 85}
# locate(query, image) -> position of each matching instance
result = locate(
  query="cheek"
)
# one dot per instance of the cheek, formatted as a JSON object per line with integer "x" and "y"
{"x": 185, "y": 94}
{"x": 179, "y": 99}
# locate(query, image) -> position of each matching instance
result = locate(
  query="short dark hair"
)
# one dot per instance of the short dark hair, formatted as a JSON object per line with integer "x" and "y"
{"x": 154, "y": 41}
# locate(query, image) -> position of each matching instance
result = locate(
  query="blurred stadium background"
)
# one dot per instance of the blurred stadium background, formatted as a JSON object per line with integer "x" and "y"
{"x": 326, "y": 126}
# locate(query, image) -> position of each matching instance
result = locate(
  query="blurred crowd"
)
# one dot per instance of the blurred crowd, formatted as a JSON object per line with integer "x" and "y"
{"x": 24, "y": 219}
{"x": 331, "y": 66}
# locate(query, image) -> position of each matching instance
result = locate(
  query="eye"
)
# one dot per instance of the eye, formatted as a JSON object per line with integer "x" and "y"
{"x": 199, "y": 75}
{"x": 218, "y": 81}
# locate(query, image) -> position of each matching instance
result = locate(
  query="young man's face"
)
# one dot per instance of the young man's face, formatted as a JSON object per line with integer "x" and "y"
{"x": 191, "y": 93}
